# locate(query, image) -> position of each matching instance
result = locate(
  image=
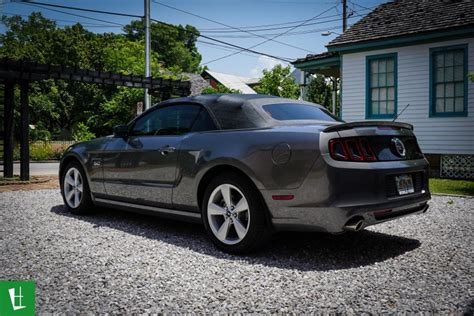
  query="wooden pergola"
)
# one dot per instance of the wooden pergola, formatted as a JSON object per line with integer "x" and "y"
{"x": 21, "y": 72}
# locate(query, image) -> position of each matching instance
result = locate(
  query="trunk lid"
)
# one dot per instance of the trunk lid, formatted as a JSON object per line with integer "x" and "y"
{"x": 371, "y": 141}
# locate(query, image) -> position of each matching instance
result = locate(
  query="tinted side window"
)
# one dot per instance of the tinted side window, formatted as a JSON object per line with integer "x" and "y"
{"x": 173, "y": 120}
{"x": 296, "y": 111}
{"x": 203, "y": 122}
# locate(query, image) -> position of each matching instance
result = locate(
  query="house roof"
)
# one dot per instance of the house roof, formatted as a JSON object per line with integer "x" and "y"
{"x": 232, "y": 81}
{"x": 326, "y": 64}
{"x": 408, "y": 17}
{"x": 198, "y": 83}
{"x": 311, "y": 57}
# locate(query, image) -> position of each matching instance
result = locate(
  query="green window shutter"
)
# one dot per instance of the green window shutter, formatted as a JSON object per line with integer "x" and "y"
{"x": 448, "y": 81}
{"x": 381, "y": 86}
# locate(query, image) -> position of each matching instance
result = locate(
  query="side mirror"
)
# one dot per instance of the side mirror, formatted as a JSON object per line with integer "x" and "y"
{"x": 121, "y": 131}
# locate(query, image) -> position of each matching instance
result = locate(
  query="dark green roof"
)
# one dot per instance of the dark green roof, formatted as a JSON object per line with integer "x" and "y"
{"x": 408, "y": 17}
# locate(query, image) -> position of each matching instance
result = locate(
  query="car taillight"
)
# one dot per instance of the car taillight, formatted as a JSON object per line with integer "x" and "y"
{"x": 351, "y": 149}
{"x": 367, "y": 150}
{"x": 338, "y": 150}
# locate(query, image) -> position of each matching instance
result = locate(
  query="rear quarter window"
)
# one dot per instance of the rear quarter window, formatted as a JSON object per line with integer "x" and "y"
{"x": 297, "y": 111}
{"x": 232, "y": 116}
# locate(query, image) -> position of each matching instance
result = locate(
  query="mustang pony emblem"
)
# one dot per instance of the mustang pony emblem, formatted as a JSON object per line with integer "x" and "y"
{"x": 399, "y": 147}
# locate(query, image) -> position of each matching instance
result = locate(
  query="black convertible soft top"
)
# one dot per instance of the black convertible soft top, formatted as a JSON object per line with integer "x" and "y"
{"x": 237, "y": 111}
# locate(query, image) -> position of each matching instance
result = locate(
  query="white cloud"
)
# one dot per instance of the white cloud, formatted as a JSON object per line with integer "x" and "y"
{"x": 265, "y": 62}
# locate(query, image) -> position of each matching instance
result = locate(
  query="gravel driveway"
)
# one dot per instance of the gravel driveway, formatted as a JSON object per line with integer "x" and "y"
{"x": 119, "y": 262}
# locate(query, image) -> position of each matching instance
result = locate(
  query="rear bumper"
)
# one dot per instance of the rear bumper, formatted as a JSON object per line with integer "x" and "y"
{"x": 336, "y": 193}
{"x": 334, "y": 219}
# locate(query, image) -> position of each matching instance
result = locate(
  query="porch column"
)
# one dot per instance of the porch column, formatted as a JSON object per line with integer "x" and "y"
{"x": 24, "y": 133}
{"x": 334, "y": 95}
{"x": 8, "y": 130}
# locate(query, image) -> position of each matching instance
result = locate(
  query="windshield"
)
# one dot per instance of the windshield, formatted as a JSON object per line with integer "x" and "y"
{"x": 298, "y": 111}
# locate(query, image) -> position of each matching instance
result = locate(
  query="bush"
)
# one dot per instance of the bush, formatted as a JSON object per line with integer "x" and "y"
{"x": 82, "y": 133}
{"x": 43, "y": 150}
{"x": 38, "y": 134}
{"x": 220, "y": 89}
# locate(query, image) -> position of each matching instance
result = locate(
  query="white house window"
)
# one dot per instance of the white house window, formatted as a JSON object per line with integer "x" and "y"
{"x": 448, "y": 81}
{"x": 381, "y": 79}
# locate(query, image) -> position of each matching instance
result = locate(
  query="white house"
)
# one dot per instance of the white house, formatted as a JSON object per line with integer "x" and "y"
{"x": 409, "y": 60}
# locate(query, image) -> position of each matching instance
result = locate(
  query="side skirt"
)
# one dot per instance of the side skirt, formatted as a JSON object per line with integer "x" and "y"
{"x": 150, "y": 210}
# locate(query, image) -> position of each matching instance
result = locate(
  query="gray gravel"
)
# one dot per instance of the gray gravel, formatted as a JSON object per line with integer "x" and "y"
{"x": 121, "y": 262}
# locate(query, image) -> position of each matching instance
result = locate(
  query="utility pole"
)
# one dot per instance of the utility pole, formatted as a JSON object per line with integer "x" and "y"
{"x": 344, "y": 15}
{"x": 147, "y": 51}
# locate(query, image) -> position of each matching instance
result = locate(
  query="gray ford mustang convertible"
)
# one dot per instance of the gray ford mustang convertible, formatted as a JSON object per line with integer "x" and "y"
{"x": 249, "y": 165}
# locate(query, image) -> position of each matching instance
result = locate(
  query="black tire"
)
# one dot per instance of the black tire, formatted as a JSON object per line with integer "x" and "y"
{"x": 258, "y": 230}
{"x": 85, "y": 205}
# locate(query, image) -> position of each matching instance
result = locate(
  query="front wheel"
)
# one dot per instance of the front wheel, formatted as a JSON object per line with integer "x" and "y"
{"x": 234, "y": 215}
{"x": 75, "y": 189}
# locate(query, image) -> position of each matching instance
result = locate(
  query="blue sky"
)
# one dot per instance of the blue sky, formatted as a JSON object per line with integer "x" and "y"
{"x": 237, "y": 13}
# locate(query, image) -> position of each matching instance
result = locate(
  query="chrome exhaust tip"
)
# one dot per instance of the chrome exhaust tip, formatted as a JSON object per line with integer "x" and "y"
{"x": 354, "y": 225}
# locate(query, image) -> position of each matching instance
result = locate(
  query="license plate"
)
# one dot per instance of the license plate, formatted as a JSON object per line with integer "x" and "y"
{"x": 404, "y": 184}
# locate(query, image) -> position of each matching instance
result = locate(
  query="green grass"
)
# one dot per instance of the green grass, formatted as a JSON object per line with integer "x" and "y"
{"x": 452, "y": 186}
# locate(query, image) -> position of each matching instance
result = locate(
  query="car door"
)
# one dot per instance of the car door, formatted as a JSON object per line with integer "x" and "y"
{"x": 141, "y": 168}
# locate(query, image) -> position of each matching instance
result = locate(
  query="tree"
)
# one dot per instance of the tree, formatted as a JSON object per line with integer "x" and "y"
{"x": 319, "y": 91}
{"x": 175, "y": 45}
{"x": 471, "y": 76}
{"x": 220, "y": 89}
{"x": 278, "y": 82}
{"x": 59, "y": 106}
{"x": 82, "y": 133}
{"x": 128, "y": 57}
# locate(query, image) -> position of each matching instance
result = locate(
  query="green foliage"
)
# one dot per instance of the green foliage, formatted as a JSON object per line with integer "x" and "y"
{"x": 58, "y": 106}
{"x": 41, "y": 150}
{"x": 127, "y": 57}
{"x": 471, "y": 76}
{"x": 175, "y": 46}
{"x": 82, "y": 133}
{"x": 278, "y": 82}
{"x": 447, "y": 186}
{"x": 113, "y": 112}
{"x": 39, "y": 134}
{"x": 320, "y": 92}
{"x": 220, "y": 89}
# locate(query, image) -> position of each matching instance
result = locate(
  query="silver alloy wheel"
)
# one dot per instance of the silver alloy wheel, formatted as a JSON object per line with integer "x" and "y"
{"x": 228, "y": 214}
{"x": 73, "y": 186}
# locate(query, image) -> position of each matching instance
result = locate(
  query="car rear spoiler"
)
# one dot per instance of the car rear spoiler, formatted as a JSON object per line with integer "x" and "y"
{"x": 344, "y": 126}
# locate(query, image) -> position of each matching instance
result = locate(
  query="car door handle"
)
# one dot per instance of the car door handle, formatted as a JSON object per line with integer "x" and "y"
{"x": 166, "y": 150}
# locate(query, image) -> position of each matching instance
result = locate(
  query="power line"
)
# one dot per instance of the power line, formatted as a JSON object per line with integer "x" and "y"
{"x": 270, "y": 29}
{"x": 83, "y": 9}
{"x": 59, "y": 20}
{"x": 249, "y": 49}
{"x": 272, "y": 38}
{"x": 166, "y": 24}
{"x": 361, "y": 6}
{"x": 227, "y": 25}
{"x": 72, "y": 14}
{"x": 201, "y": 30}
{"x": 329, "y": 28}
{"x": 226, "y": 48}
{"x": 267, "y": 25}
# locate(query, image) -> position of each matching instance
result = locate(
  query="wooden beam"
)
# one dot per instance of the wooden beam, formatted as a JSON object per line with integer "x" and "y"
{"x": 24, "y": 133}
{"x": 8, "y": 130}
{"x": 18, "y": 70}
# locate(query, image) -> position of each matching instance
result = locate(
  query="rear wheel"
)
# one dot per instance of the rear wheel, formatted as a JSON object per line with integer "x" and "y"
{"x": 233, "y": 214}
{"x": 75, "y": 189}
